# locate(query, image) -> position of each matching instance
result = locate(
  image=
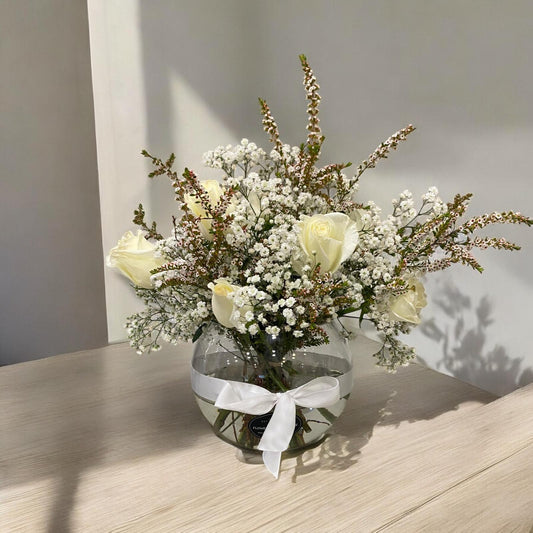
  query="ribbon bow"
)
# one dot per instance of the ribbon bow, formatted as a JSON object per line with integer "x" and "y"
{"x": 254, "y": 400}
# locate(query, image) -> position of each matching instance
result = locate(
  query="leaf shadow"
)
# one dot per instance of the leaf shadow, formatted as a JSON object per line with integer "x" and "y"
{"x": 462, "y": 334}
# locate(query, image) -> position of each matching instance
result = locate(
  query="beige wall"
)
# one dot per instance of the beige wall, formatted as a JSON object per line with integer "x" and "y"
{"x": 51, "y": 273}
{"x": 184, "y": 76}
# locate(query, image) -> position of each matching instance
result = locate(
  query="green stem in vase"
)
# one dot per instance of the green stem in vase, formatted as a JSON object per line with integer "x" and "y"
{"x": 257, "y": 350}
{"x": 297, "y": 441}
{"x": 327, "y": 414}
{"x": 265, "y": 364}
{"x": 220, "y": 419}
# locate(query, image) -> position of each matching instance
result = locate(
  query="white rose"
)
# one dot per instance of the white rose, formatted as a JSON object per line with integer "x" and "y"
{"x": 357, "y": 216}
{"x": 215, "y": 191}
{"x": 134, "y": 257}
{"x": 221, "y": 301}
{"x": 406, "y": 307}
{"x": 328, "y": 239}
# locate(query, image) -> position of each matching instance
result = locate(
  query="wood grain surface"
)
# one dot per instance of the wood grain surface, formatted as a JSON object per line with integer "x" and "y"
{"x": 106, "y": 440}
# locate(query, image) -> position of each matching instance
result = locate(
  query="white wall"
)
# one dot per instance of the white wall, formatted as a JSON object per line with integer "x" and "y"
{"x": 136, "y": 109}
{"x": 184, "y": 77}
{"x": 51, "y": 273}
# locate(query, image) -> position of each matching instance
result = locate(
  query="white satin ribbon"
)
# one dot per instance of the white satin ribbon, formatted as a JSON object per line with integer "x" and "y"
{"x": 254, "y": 400}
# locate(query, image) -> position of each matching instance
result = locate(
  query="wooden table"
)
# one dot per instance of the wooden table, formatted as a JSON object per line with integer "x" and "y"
{"x": 106, "y": 440}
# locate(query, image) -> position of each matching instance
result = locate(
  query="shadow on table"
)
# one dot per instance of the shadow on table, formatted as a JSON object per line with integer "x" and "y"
{"x": 82, "y": 412}
{"x": 336, "y": 452}
{"x": 382, "y": 399}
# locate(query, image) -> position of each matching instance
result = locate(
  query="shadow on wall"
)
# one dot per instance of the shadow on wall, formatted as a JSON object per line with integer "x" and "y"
{"x": 465, "y": 353}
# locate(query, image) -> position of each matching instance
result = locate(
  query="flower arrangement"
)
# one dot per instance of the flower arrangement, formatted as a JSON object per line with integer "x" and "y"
{"x": 280, "y": 246}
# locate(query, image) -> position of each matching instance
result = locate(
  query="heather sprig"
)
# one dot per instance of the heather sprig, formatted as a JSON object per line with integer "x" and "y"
{"x": 138, "y": 220}
{"x": 382, "y": 151}
{"x": 270, "y": 126}
{"x": 314, "y": 135}
{"x": 445, "y": 233}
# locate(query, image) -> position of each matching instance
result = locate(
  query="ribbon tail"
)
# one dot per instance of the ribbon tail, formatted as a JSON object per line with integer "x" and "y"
{"x": 272, "y": 461}
{"x": 278, "y": 433}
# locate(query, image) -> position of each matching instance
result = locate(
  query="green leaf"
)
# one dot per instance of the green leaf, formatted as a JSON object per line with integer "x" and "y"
{"x": 170, "y": 160}
{"x": 346, "y": 311}
{"x": 198, "y": 333}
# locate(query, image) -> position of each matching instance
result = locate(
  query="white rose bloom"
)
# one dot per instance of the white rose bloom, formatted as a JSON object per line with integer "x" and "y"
{"x": 406, "y": 307}
{"x": 134, "y": 257}
{"x": 328, "y": 239}
{"x": 223, "y": 305}
{"x": 357, "y": 216}
{"x": 215, "y": 191}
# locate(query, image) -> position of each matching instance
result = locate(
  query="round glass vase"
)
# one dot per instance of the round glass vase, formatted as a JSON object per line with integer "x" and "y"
{"x": 271, "y": 365}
